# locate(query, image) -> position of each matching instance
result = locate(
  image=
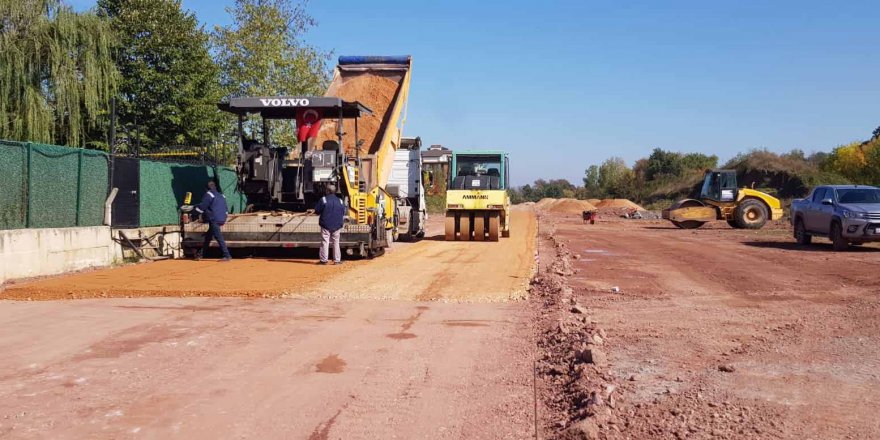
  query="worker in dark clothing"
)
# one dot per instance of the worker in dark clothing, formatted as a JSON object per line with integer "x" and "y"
{"x": 332, "y": 215}
{"x": 213, "y": 211}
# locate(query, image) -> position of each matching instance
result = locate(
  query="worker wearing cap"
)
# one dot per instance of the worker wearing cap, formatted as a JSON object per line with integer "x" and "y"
{"x": 332, "y": 213}
{"x": 213, "y": 211}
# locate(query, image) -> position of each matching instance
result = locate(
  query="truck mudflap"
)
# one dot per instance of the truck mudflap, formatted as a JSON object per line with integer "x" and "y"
{"x": 285, "y": 230}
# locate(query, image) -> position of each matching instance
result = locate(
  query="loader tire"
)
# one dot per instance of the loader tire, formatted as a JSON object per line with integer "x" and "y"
{"x": 751, "y": 214}
{"x": 733, "y": 224}
{"x": 450, "y": 226}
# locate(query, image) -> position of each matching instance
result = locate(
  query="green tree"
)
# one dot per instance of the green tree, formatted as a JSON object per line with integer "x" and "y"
{"x": 698, "y": 161}
{"x": 262, "y": 52}
{"x": 56, "y": 72}
{"x": 663, "y": 164}
{"x": 848, "y": 161}
{"x": 612, "y": 173}
{"x": 170, "y": 86}
{"x": 872, "y": 159}
{"x": 591, "y": 181}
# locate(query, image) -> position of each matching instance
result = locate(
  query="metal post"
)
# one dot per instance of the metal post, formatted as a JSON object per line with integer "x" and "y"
{"x": 339, "y": 128}
{"x": 79, "y": 173}
{"x": 112, "y": 149}
{"x": 27, "y": 221}
{"x": 357, "y": 148}
{"x": 137, "y": 140}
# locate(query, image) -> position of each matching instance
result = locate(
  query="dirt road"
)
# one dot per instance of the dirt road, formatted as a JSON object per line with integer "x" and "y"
{"x": 430, "y": 269}
{"x": 306, "y": 367}
{"x": 721, "y": 333}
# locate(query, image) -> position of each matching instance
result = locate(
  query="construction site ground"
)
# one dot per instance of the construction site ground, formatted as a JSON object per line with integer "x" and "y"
{"x": 441, "y": 356}
{"x": 710, "y": 333}
{"x": 723, "y": 333}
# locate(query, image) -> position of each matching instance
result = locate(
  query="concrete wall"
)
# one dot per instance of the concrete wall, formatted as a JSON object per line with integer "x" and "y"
{"x": 49, "y": 251}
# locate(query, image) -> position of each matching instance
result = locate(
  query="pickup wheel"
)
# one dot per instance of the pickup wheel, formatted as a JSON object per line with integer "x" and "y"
{"x": 837, "y": 241}
{"x": 800, "y": 233}
{"x": 751, "y": 214}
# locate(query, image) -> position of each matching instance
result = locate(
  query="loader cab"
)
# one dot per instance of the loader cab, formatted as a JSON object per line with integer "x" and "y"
{"x": 719, "y": 186}
{"x": 479, "y": 170}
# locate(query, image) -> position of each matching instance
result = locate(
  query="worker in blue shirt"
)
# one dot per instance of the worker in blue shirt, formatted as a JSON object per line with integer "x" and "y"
{"x": 332, "y": 213}
{"x": 213, "y": 211}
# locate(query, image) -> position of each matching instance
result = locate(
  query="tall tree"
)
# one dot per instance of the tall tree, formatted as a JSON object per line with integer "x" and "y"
{"x": 591, "y": 181}
{"x": 56, "y": 72}
{"x": 170, "y": 86}
{"x": 263, "y": 52}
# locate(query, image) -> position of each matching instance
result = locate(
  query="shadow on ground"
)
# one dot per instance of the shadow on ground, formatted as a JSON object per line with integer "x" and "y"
{"x": 791, "y": 246}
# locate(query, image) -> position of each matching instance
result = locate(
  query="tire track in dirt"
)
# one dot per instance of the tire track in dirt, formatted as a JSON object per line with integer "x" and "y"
{"x": 436, "y": 270}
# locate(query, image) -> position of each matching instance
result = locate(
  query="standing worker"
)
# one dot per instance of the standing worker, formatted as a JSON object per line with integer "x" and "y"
{"x": 213, "y": 210}
{"x": 332, "y": 212}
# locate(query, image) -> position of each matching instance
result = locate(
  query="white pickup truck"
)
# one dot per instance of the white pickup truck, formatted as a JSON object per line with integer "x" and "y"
{"x": 846, "y": 214}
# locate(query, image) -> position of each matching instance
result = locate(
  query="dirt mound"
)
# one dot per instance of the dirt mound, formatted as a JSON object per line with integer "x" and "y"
{"x": 374, "y": 91}
{"x": 568, "y": 206}
{"x": 595, "y": 202}
{"x": 545, "y": 201}
{"x": 618, "y": 203}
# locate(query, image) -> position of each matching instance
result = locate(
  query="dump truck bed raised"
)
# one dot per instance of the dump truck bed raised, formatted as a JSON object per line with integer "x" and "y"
{"x": 382, "y": 84}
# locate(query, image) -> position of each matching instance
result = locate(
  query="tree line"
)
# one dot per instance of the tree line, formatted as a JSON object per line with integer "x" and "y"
{"x": 61, "y": 71}
{"x": 668, "y": 175}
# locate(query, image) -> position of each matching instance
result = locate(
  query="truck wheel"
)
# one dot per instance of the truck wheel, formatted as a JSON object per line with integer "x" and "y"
{"x": 751, "y": 214}
{"x": 800, "y": 233}
{"x": 733, "y": 224}
{"x": 837, "y": 241}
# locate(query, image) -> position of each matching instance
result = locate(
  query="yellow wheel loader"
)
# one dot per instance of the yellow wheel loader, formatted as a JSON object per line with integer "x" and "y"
{"x": 477, "y": 203}
{"x": 720, "y": 199}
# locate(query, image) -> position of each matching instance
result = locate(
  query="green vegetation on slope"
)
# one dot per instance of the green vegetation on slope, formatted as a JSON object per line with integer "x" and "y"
{"x": 664, "y": 176}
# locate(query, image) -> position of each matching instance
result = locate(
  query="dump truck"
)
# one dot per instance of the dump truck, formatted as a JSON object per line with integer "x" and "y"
{"x": 477, "y": 203}
{"x": 292, "y": 147}
{"x": 721, "y": 199}
{"x": 407, "y": 185}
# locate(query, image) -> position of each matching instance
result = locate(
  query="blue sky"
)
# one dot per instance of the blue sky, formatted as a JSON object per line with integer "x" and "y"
{"x": 566, "y": 84}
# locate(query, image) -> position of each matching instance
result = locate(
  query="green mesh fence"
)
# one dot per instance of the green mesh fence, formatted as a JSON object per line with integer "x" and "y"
{"x": 163, "y": 187}
{"x": 228, "y": 181}
{"x": 95, "y": 173}
{"x": 13, "y": 185}
{"x": 47, "y": 186}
